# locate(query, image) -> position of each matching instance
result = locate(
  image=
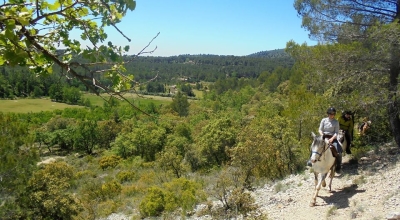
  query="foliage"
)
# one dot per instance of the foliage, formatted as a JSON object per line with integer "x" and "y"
{"x": 215, "y": 139}
{"x": 180, "y": 104}
{"x": 31, "y": 34}
{"x": 179, "y": 193}
{"x": 109, "y": 161}
{"x": 228, "y": 189}
{"x": 145, "y": 140}
{"x": 363, "y": 46}
{"x": 17, "y": 161}
{"x": 242, "y": 202}
{"x": 125, "y": 176}
{"x": 182, "y": 193}
{"x": 110, "y": 189}
{"x": 153, "y": 204}
{"x": 86, "y": 136}
{"x": 47, "y": 196}
{"x": 171, "y": 161}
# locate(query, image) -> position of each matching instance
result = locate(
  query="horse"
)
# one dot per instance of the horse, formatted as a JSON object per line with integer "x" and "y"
{"x": 322, "y": 161}
{"x": 342, "y": 139}
{"x": 364, "y": 127}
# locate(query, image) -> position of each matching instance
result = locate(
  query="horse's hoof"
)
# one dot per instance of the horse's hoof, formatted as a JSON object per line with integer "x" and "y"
{"x": 312, "y": 204}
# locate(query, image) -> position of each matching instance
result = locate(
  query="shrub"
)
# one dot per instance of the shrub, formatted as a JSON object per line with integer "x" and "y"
{"x": 111, "y": 189}
{"x": 125, "y": 176}
{"x": 153, "y": 203}
{"x": 182, "y": 193}
{"x": 109, "y": 161}
{"x": 129, "y": 190}
{"x": 179, "y": 193}
{"x": 107, "y": 208}
{"x": 242, "y": 201}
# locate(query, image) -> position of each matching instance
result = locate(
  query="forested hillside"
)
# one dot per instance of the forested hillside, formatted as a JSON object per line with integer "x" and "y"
{"x": 155, "y": 74}
{"x": 204, "y": 67}
{"x": 251, "y": 125}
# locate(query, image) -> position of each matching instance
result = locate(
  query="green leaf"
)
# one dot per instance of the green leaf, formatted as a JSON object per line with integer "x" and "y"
{"x": 55, "y": 6}
{"x": 2, "y": 60}
{"x": 131, "y": 4}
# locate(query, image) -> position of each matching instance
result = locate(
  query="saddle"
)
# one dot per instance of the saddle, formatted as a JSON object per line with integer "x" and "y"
{"x": 333, "y": 150}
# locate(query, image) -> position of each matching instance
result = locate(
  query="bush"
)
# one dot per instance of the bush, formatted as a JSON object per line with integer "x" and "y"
{"x": 182, "y": 193}
{"x": 111, "y": 189}
{"x": 107, "y": 208}
{"x": 109, "y": 161}
{"x": 153, "y": 203}
{"x": 179, "y": 193}
{"x": 125, "y": 176}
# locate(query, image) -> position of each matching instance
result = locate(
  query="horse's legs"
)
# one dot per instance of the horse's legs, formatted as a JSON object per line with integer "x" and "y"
{"x": 317, "y": 188}
{"x": 315, "y": 179}
{"x": 331, "y": 175}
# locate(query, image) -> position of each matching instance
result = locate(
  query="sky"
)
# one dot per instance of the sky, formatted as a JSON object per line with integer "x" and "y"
{"x": 219, "y": 27}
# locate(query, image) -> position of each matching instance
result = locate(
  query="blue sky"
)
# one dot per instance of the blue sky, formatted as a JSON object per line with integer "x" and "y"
{"x": 220, "y": 27}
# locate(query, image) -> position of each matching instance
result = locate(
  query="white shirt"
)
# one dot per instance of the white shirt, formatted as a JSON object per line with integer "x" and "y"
{"x": 329, "y": 126}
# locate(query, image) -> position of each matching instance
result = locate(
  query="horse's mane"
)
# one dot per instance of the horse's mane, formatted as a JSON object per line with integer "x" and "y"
{"x": 319, "y": 139}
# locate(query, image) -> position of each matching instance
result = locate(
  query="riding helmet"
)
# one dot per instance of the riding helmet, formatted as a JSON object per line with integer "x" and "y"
{"x": 331, "y": 110}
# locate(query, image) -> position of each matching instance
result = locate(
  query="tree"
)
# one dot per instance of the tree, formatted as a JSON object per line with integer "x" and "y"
{"x": 17, "y": 161}
{"x": 31, "y": 34}
{"x": 86, "y": 136}
{"x": 180, "y": 104}
{"x": 215, "y": 139}
{"x": 368, "y": 25}
{"x": 145, "y": 140}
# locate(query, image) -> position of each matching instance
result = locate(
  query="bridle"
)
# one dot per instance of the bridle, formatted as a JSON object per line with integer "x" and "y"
{"x": 326, "y": 147}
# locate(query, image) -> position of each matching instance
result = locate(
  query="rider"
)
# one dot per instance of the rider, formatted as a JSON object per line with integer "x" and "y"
{"x": 329, "y": 128}
{"x": 346, "y": 124}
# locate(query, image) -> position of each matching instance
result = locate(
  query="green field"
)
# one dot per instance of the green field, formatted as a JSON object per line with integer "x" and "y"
{"x": 32, "y": 105}
{"x": 45, "y": 104}
{"x": 142, "y": 100}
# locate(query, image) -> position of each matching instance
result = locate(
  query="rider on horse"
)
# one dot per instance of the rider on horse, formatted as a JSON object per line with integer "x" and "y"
{"x": 329, "y": 128}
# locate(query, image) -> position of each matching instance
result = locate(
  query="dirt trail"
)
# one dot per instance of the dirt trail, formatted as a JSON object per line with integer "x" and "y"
{"x": 369, "y": 189}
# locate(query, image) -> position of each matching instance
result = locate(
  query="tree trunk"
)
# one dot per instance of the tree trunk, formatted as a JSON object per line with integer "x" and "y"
{"x": 394, "y": 107}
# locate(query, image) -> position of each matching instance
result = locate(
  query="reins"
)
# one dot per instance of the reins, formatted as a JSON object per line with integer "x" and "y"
{"x": 320, "y": 154}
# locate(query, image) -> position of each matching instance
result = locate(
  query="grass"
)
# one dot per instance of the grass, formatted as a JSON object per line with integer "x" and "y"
{"x": 45, "y": 104}
{"x": 32, "y": 105}
{"x": 198, "y": 93}
{"x": 331, "y": 211}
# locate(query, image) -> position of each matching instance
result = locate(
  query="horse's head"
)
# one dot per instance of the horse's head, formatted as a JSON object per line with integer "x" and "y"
{"x": 317, "y": 147}
{"x": 341, "y": 136}
{"x": 364, "y": 127}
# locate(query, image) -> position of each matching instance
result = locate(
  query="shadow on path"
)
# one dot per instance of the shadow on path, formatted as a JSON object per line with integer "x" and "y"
{"x": 341, "y": 197}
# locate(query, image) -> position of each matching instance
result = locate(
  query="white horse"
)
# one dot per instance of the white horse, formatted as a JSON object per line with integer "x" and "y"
{"x": 322, "y": 162}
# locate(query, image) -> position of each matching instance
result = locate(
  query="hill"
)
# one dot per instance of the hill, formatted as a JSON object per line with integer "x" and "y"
{"x": 369, "y": 189}
{"x": 278, "y": 53}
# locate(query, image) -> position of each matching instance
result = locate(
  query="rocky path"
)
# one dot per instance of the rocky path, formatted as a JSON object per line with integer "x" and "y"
{"x": 369, "y": 190}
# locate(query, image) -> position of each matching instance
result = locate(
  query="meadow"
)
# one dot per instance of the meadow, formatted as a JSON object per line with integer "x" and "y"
{"x": 45, "y": 104}
{"x": 32, "y": 105}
